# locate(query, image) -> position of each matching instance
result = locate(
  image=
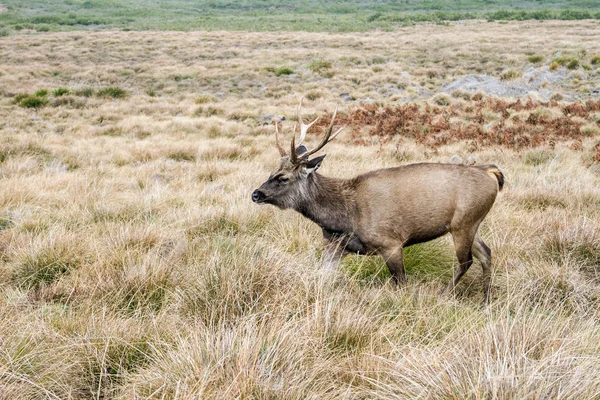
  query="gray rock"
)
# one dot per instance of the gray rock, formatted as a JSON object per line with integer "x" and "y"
{"x": 536, "y": 77}
{"x": 159, "y": 178}
{"x": 478, "y": 83}
{"x": 456, "y": 159}
{"x": 367, "y": 100}
{"x": 535, "y": 82}
{"x": 268, "y": 119}
{"x": 346, "y": 96}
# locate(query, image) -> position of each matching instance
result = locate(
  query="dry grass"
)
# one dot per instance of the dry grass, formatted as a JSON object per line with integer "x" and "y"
{"x": 134, "y": 265}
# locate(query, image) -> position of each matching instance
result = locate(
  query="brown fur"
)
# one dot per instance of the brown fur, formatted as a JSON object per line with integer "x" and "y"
{"x": 383, "y": 211}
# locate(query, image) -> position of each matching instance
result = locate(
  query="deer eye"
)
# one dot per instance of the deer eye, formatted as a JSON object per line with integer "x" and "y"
{"x": 283, "y": 180}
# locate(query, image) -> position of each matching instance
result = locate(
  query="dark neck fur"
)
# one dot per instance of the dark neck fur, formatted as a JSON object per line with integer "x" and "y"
{"x": 326, "y": 204}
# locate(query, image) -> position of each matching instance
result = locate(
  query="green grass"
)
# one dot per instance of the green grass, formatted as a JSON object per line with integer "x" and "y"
{"x": 29, "y": 101}
{"x": 424, "y": 261}
{"x": 60, "y": 92}
{"x": 112, "y": 92}
{"x": 284, "y": 71}
{"x": 534, "y": 59}
{"x": 569, "y": 62}
{"x": 45, "y": 266}
{"x": 254, "y": 15}
{"x": 41, "y": 93}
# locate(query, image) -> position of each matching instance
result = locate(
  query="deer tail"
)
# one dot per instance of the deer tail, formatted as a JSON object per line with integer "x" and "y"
{"x": 495, "y": 173}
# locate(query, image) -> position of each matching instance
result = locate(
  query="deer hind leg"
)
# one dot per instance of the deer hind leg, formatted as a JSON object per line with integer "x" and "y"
{"x": 483, "y": 253}
{"x": 463, "y": 242}
{"x": 394, "y": 259}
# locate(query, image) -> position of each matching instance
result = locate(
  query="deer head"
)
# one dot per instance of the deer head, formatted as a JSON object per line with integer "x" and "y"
{"x": 289, "y": 182}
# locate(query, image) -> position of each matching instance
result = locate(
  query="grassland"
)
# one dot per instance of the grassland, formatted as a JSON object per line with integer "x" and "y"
{"x": 134, "y": 265}
{"x": 253, "y": 15}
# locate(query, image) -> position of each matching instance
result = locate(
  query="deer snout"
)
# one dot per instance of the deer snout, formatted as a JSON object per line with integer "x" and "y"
{"x": 258, "y": 196}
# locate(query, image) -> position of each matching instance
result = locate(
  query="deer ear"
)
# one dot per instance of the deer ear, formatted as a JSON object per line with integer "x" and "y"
{"x": 314, "y": 164}
{"x": 301, "y": 150}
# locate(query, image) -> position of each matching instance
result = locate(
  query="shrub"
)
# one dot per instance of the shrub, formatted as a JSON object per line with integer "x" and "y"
{"x": 114, "y": 92}
{"x": 595, "y": 60}
{"x": 41, "y": 93}
{"x": 60, "y": 92}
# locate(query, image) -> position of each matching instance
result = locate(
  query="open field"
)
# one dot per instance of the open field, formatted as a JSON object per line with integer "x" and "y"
{"x": 274, "y": 15}
{"x": 134, "y": 265}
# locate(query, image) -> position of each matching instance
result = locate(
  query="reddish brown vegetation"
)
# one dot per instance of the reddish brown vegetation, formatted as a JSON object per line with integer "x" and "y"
{"x": 597, "y": 152}
{"x": 485, "y": 122}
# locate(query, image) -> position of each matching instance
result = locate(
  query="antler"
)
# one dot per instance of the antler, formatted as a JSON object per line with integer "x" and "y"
{"x": 326, "y": 139}
{"x": 294, "y": 158}
{"x": 279, "y": 147}
{"x": 303, "y": 127}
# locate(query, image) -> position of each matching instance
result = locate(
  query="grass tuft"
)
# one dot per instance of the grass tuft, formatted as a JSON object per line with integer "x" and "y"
{"x": 60, "y": 92}
{"x": 46, "y": 264}
{"x": 535, "y": 59}
{"x": 29, "y": 101}
{"x": 112, "y": 92}
{"x": 284, "y": 71}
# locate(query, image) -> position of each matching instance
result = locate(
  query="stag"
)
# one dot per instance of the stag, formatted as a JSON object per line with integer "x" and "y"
{"x": 383, "y": 211}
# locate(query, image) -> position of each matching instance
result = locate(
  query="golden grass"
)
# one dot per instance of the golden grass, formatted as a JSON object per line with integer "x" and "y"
{"x": 134, "y": 265}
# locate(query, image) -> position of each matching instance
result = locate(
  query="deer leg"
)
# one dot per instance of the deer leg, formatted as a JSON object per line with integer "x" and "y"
{"x": 483, "y": 253}
{"x": 394, "y": 259}
{"x": 463, "y": 242}
{"x": 332, "y": 254}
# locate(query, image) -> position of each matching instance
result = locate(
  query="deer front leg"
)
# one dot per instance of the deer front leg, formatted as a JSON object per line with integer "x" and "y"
{"x": 333, "y": 252}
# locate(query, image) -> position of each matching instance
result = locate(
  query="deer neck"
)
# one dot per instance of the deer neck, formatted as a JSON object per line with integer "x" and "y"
{"x": 327, "y": 204}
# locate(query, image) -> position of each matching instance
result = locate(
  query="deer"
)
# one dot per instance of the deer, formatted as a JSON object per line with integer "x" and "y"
{"x": 383, "y": 211}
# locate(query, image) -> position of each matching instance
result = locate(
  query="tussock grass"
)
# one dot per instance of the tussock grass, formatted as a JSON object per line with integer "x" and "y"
{"x": 133, "y": 263}
{"x": 60, "y": 92}
{"x": 29, "y": 101}
{"x": 112, "y": 92}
